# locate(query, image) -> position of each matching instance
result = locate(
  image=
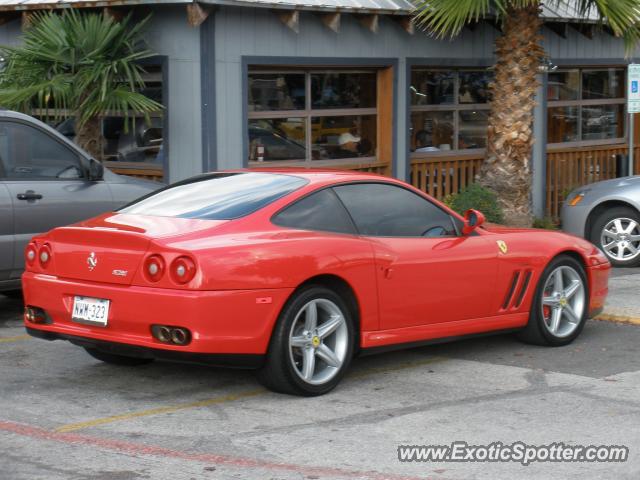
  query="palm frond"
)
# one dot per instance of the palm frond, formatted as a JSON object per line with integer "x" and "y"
{"x": 83, "y": 63}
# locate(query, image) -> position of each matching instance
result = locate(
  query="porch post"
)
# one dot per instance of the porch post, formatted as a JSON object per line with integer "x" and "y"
{"x": 539, "y": 154}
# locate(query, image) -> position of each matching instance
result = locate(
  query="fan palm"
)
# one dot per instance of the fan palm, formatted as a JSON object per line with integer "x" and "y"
{"x": 519, "y": 54}
{"x": 78, "y": 65}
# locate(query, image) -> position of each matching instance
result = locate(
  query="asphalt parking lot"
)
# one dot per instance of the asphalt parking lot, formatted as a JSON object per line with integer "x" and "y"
{"x": 64, "y": 415}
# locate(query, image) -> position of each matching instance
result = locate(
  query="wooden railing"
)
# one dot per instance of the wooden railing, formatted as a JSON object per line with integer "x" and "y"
{"x": 381, "y": 168}
{"x": 134, "y": 169}
{"x": 570, "y": 168}
{"x": 446, "y": 175}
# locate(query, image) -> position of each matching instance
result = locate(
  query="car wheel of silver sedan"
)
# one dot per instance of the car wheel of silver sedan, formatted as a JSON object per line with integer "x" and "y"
{"x": 617, "y": 232}
{"x": 560, "y": 306}
{"x": 312, "y": 344}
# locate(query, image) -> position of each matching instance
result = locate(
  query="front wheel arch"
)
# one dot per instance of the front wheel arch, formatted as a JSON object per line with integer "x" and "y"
{"x": 599, "y": 209}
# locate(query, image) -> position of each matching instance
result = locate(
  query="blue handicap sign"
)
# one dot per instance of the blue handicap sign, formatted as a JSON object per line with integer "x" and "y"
{"x": 634, "y": 86}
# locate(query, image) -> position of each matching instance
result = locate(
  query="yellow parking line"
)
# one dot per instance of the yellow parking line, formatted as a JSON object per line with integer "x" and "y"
{"x": 618, "y": 319}
{"x": 226, "y": 398}
{"x": 14, "y": 339}
{"x": 156, "y": 411}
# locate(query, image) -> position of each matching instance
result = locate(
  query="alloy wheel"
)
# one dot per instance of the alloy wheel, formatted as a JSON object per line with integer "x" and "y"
{"x": 620, "y": 239}
{"x": 563, "y": 301}
{"x": 318, "y": 341}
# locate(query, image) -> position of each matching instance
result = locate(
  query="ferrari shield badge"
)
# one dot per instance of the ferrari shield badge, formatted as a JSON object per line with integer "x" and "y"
{"x": 502, "y": 246}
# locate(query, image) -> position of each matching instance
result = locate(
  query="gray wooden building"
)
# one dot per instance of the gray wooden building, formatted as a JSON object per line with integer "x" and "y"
{"x": 346, "y": 84}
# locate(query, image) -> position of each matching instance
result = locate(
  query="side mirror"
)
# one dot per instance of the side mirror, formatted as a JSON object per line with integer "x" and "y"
{"x": 472, "y": 220}
{"x": 96, "y": 170}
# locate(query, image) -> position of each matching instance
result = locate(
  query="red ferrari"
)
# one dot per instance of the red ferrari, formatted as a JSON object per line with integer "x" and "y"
{"x": 294, "y": 272}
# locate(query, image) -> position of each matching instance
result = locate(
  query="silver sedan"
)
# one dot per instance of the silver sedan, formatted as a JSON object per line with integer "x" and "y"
{"x": 608, "y": 214}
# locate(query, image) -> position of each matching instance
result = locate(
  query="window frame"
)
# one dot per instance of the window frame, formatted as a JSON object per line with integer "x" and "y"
{"x": 81, "y": 159}
{"x": 580, "y": 103}
{"x": 355, "y": 232}
{"x": 455, "y": 108}
{"x": 308, "y": 113}
{"x": 419, "y": 194}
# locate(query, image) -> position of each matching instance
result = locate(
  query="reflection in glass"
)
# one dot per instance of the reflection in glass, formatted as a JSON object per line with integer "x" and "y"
{"x": 431, "y": 131}
{"x": 598, "y": 84}
{"x": 343, "y": 90}
{"x": 601, "y": 122}
{"x": 563, "y": 85}
{"x": 343, "y": 137}
{"x": 276, "y": 91}
{"x": 474, "y": 87}
{"x": 472, "y": 129}
{"x": 432, "y": 87}
{"x": 562, "y": 124}
{"x": 277, "y": 139}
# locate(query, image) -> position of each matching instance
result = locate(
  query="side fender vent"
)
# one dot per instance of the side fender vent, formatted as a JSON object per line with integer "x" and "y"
{"x": 523, "y": 289}
{"x": 512, "y": 289}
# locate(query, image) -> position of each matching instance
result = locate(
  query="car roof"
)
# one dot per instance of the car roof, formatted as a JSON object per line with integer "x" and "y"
{"x": 317, "y": 175}
{"x": 13, "y": 115}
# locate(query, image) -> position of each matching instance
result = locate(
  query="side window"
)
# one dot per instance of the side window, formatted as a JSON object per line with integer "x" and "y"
{"x": 26, "y": 152}
{"x": 385, "y": 210}
{"x": 319, "y": 211}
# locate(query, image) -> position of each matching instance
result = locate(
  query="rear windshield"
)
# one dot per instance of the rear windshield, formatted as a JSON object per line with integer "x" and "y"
{"x": 218, "y": 196}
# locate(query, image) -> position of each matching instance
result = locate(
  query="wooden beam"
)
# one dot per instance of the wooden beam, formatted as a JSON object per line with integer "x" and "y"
{"x": 585, "y": 29}
{"x": 290, "y": 18}
{"x": 113, "y": 13}
{"x": 370, "y": 21}
{"x": 406, "y": 23}
{"x": 197, "y": 13}
{"x": 558, "y": 28}
{"x": 27, "y": 19}
{"x": 331, "y": 21}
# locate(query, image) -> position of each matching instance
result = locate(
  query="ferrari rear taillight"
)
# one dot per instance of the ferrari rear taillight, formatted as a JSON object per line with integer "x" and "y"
{"x": 30, "y": 254}
{"x": 44, "y": 255}
{"x": 154, "y": 268}
{"x": 183, "y": 269}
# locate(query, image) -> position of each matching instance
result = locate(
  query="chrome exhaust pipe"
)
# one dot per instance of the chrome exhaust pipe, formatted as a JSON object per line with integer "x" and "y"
{"x": 179, "y": 336}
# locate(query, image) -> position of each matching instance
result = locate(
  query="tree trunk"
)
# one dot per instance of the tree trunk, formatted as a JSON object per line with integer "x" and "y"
{"x": 507, "y": 168}
{"x": 89, "y": 136}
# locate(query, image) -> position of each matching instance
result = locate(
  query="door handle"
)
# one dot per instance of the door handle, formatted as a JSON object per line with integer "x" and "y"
{"x": 29, "y": 195}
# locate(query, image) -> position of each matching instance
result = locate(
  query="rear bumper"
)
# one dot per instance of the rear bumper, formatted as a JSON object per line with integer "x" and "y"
{"x": 220, "y": 322}
{"x": 238, "y": 360}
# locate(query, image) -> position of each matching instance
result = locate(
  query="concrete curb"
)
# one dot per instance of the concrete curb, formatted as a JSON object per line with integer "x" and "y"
{"x": 606, "y": 317}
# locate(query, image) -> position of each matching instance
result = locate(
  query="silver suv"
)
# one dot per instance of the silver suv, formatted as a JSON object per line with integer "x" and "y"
{"x": 47, "y": 181}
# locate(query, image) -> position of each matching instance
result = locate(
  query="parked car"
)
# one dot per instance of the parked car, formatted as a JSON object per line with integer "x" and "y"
{"x": 47, "y": 181}
{"x": 295, "y": 271}
{"x": 608, "y": 214}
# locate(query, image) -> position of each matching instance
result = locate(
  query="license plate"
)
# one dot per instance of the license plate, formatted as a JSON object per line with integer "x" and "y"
{"x": 94, "y": 311}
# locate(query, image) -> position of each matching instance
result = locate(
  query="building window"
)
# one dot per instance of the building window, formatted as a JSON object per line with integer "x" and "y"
{"x": 449, "y": 109}
{"x": 586, "y": 106}
{"x": 126, "y": 144}
{"x": 312, "y": 115}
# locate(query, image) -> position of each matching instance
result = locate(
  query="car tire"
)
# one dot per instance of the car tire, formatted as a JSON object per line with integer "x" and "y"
{"x": 605, "y": 228}
{"x": 309, "y": 352}
{"x": 114, "y": 359}
{"x": 560, "y": 306}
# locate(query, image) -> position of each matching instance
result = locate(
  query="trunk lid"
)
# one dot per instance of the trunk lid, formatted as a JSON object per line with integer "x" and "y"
{"x": 110, "y": 248}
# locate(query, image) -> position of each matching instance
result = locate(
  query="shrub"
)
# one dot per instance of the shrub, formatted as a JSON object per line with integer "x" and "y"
{"x": 546, "y": 223}
{"x": 479, "y": 198}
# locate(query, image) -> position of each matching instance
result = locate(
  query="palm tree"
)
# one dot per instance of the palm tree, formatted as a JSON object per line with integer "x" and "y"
{"x": 78, "y": 65}
{"x": 519, "y": 56}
